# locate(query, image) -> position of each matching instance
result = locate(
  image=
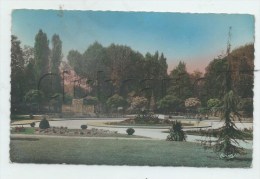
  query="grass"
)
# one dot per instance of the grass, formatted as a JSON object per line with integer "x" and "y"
{"x": 119, "y": 152}
{"x": 25, "y": 130}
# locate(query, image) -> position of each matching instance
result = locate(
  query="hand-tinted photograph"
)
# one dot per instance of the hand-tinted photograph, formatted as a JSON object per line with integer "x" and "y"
{"x": 132, "y": 88}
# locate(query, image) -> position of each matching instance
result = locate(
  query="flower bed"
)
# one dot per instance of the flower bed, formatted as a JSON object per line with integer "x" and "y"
{"x": 64, "y": 131}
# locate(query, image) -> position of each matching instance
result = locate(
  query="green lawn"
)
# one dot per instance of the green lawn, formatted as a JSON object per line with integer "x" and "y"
{"x": 118, "y": 152}
{"x": 27, "y": 130}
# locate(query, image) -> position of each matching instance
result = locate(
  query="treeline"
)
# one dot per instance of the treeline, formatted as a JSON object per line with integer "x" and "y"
{"x": 120, "y": 77}
{"x": 119, "y": 70}
{"x": 117, "y": 74}
{"x": 30, "y": 83}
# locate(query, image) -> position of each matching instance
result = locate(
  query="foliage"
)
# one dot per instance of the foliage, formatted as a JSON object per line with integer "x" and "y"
{"x": 44, "y": 124}
{"x": 176, "y": 132}
{"x": 229, "y": 134}
{"x": 117, "y": 69}
{"x": 67, "y": 99}
{"x": 146, "y": 117}
{"x": 55, "y": 60}
{"x": 181, "y": 85}
{"x": 75, "y": 61}
{"x": 138, "y": 103}
{"x": 32, "y": 124}
{"x": 214, "y": 77}
{"x": 34, "y": 97}
{"x": 56, "y": 102}
{"x": 170, "y": 103}
{"x": 241, "y": 62}
{"x": 202, "y": 110}
{"x": 213, "y": 103}
{"x": 17, "y": 73}
{"x": 84, "y": 126}
{"x": 41, "y": 54}
{"x": 227, "y": 144}
{"x": 130, "y": 131}
{"x": 192, "y": 103}
{"x": 116, "y": 101}
{"x": 90, "y": 100}
{"x": 246, "y": 105}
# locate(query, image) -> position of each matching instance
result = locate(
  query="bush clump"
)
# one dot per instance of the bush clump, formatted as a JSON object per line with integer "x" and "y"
{"x": 176, "y": 132}
{"x": 84, "y": 126}
{"x": 44, "y": 124}
{"x": 130, "y": 131}
{"x": 32, "y": 124}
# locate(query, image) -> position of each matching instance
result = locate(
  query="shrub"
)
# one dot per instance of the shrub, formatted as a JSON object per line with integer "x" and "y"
{"x": 32, "y": 124}
{"x": 145, "y": 117}
{"x": 44, "y": 124}
{"x": 176, "y": 132}
{"x": 130, "y": 131}
{"x": 84, "y": 126}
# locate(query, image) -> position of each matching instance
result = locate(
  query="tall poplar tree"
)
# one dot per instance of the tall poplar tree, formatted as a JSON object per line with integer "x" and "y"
{"x": 41, "y": 66}
{"x": 41, "y": 54}
{"x": 56, "y": 56}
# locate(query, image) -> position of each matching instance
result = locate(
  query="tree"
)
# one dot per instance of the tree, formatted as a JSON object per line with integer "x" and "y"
{"x": 227, "y": 142}
{"x": 28, "y": 54}
{"x": 214, "y": 78}
{"x": 56, "y": 56}
{"x": 75, "y": 61}
{"x": 170, "y": 103}
{"x": 138, "y": 103}
{"x": 213, "y": 105}
{"x": 34, "y": 98}
{"x": 30, "y": 76}
{"x": 116, "y": 101}
{"x": 176, "y": 132}
{"x": 17, "y": 74}
{"x": 41, "y": 54}
{"x": 155, "y": 70}
{"x": 180, "y": 85}
{"x": 56, "y": 102}
{"x": 247, "y": 106}
{"x": 192, "y": 104}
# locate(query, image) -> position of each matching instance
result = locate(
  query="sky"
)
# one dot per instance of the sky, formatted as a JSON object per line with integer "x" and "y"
{"x": 195, "y": 39}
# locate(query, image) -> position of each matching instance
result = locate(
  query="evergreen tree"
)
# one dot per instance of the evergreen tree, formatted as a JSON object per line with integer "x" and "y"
{"x": 227, "y": 144}
{"x": 56, "y": 56}
{"x": 41, "y": 66}
{"x": 41, "y": 54}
